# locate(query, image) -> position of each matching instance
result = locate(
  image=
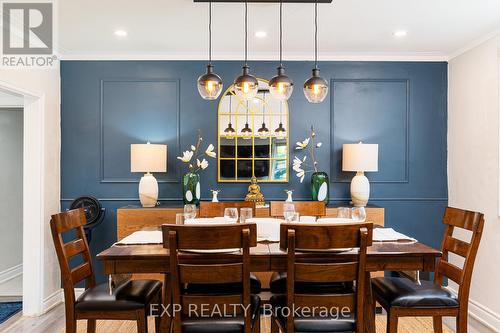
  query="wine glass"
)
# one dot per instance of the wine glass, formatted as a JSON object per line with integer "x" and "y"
{"x": 344, "y": 212}
{"x": 359, "y": 214}
{"x": 295, "y": 218}
{"x": 231, "y": 214}
{"x": 190, "y": 211}
{"x": 288, "y": 211}
{"x": 180, "y": 218}
{"x": 245, "y": 214}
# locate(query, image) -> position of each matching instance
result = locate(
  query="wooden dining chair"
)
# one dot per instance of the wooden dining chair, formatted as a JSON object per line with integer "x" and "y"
{"x": 304, "y": 208}
{"x": 298, "y": 240}
{"x": 212, "y": 268}
{"x": 402, "y": 297}
{"x": 129, "y": 301}
{"x": 216, "y": 209}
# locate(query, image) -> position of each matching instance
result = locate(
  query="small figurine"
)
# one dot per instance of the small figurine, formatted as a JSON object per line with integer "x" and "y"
{"x": 254, "y": 194}
{"x": 214, "y": 195}
{"x": 289, "y": 193}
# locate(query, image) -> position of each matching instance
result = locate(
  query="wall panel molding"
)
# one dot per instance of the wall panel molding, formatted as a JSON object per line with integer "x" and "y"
{"x": 102, "y": 176}
{"x": 334, "y": 175}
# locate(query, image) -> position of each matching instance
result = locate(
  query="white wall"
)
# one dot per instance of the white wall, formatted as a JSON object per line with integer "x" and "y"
{"x": 473, "y": 168}
{"x": 11, "y": 200}
{"x": 46, "y": 82}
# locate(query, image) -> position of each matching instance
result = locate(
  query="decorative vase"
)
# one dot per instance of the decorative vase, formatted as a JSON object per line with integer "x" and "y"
{"x": 191, "y": 188}
{"x": 320, "y": 187}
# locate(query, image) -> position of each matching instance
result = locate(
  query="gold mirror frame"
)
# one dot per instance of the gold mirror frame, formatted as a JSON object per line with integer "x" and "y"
{"x": 253, "y": 116}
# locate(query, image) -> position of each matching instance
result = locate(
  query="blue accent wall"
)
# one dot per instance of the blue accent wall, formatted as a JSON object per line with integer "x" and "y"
{"x": 402, "y": 106}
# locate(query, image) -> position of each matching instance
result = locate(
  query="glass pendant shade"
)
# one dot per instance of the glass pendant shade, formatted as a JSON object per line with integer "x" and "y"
{"x": 263, "y": 131}
{"x": 209, "y": 84}
{"x": 280, "y": 132}
{"x": 229, "y": 132}
{"x": 246, "y": 86}
{"x": 281, "y": 86}
{"x": 246, "y": 133}
{"x": 315, "y": 88}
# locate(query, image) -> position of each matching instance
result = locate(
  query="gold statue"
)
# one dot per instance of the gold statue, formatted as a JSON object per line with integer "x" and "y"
{"x": 254, "y": 194}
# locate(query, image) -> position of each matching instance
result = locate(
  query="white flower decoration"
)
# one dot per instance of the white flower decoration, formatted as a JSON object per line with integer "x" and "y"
{"x": 203, "y": 164}
{"x": 210, "y": 151}
{"x": 303, "y": 144}
{"x": 301, "y": 174}
{"x": 186, "y": 156}
{"x": 319, "y": 144}
{"x": 193, "y": 148}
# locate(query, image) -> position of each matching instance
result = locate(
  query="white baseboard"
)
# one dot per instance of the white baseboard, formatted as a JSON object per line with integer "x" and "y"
{"x": 481, "y": 318}
{"x": 53, "y": 300}
{"x": 11, "y": 273}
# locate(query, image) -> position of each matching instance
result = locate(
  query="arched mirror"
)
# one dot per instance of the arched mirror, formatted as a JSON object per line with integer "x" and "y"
{"x": 253, "y": 137}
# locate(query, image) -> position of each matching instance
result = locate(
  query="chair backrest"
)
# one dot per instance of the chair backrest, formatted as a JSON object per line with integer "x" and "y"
{"x": 304, "y": 208}
{"x": 66, "y": 222}
{"x": 462, "y": 219}
{"x": 297, "y": 237}
{"x": 217, "y": 268}
{"x": 216, "y": 209}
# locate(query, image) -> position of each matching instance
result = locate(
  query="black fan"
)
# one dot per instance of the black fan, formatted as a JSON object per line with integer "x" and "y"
{"x": 94, "y": 212}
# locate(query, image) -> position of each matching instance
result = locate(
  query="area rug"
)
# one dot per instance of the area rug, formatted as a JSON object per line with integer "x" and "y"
{"x": 8, "y": 309}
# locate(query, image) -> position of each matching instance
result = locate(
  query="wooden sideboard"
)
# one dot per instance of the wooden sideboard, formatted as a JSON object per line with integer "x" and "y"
{"x": 135, "y": 218}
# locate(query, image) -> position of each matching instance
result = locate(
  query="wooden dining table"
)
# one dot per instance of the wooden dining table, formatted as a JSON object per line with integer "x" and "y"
{"x": 268, "y": 257}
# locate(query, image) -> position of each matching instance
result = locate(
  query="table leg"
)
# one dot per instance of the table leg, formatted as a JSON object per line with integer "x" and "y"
{"x": 166, "y": 320}
{"x": 369, "y": 306}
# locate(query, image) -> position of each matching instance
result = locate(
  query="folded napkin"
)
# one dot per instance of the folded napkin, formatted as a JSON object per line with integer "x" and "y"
{"x": 308, "y": 219}
{"x": 209, "y": 220}
{"x": 390, "y": 235}
{"x": 334, "y": 220}
{"x": 142, "y": 237}
{"x": 268, "y": 229}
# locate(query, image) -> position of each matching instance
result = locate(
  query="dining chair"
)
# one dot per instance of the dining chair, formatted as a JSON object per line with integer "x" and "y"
{"x": 216, "y": 209}
{"x": 129, "y": 301}
{"x": 401, "y": 297}
{"x": 317, "y": 209}
{"x": 209, "y": 268}
{"x": 304, "y": 208}
{"x": 345, "y": 310}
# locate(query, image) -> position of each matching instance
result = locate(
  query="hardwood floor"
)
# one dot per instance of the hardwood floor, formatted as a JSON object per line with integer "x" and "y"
{"x": 53, "y": 322}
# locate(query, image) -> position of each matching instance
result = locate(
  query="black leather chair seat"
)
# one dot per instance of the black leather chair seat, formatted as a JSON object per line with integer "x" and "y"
{"x": 236, "y": 324}
{"x": 278, "y": 286}
{"x": 224, "y": 288}
{"x": 401, "y": 292}
{"x": 131, "y": 295}
{"x": 316, "y": 324}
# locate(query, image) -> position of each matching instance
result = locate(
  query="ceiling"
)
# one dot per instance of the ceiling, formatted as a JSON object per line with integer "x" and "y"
{"x": 177, "y": 29}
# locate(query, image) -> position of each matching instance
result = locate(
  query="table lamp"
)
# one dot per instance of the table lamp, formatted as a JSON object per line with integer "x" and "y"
{"x": 360, "y": 157}
{"x": 148, "y": 158}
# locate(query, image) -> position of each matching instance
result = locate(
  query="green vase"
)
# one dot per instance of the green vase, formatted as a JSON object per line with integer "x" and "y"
{"x": 191, "y": 189}
{"x": 320, "y": 187}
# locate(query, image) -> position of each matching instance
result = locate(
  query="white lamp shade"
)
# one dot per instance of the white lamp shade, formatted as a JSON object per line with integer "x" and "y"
{"x": 148, "y": 158}
{"x": 360, "y": 157}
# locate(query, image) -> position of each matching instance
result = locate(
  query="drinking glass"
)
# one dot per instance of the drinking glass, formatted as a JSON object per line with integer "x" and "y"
{"x": 295, "y": 218}
{"x": 344, "y": 212}
{"x": 245, "y": 214}
{"x": 180, "y": 218}
{"x": 190, "y": 211}
{"x": 288, "y": 211}
{"x": 231, "y": 214}
{"x": 358, "y": 214}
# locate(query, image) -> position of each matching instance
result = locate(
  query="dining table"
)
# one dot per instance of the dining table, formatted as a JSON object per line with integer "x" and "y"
{"x": 269, "y": 257}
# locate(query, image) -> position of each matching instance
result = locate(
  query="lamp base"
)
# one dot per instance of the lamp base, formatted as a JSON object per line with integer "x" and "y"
{"x": 360, "y": 190}
{"x": 148, "y": 191}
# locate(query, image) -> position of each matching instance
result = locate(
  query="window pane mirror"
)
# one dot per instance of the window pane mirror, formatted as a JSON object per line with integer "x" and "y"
{"x": 253, "y": 137}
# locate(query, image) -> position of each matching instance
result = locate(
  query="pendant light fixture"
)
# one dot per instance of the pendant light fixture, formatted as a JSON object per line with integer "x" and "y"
{"x": 229, "y": 132}
{"x": 263, "y": 131}
{"x": 315, "y": 88}
{"x": 209, "y": 84}
{"x": 246, "y": 85}
{"x": 246, "y": 132}
{"x": 280, "y": 131}
{"x": 281, "y": 86}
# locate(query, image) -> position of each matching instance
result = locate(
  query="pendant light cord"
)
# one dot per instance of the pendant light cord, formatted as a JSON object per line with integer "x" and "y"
{"x": 281, "y": 32}
{"x": 316, "y": 34}
{"x": 210, "y": 33}
{"x": 246, "y": 32}
{"x": 230, "y": 106}
{"x": 263, "y": 107}
{"x": 247, "y": 113}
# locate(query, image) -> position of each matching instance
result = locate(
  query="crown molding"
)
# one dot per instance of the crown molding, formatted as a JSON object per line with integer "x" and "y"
{"x": 474, "y": 43}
